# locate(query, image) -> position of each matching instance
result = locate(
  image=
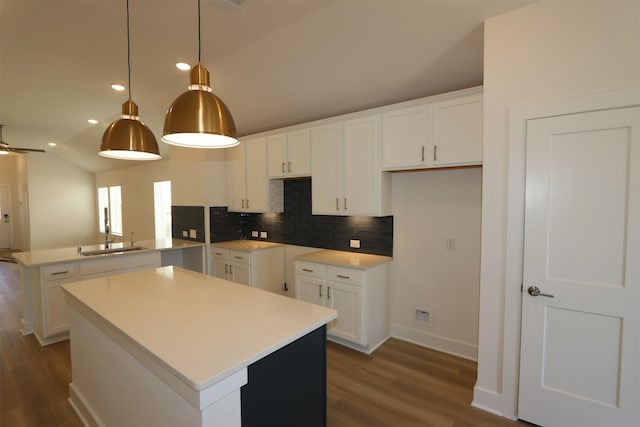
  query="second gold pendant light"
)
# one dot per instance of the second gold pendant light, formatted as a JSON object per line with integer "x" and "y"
{"x": 198, "y": 118}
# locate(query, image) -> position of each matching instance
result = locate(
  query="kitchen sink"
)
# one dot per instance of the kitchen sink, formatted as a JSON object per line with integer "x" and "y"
{"x": 107, "y": 251}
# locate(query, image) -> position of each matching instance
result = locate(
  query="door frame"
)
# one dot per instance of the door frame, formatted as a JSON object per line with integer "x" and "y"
{"x": 514, "y": 244}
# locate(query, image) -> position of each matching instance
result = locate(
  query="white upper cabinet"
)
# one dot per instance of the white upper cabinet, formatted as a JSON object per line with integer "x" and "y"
{"x": 405, "y": 136}
{"x": 327, "y": 182}
{"x": 442, "y": 131}
{"x": 457, "y": 131}
{"x": 249, "y": 189}
{"x": 289, "y": 154}
{"x": 347, "y": 177}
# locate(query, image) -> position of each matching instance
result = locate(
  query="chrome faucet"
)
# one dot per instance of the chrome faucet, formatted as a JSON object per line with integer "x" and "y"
{"x": 106, "y": 228}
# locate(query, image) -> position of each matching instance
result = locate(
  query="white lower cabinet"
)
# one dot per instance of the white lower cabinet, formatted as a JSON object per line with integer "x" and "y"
{"x": 260, "y": 268}
{"x": 52, "y": 320}
{"x": 359, "y": 296}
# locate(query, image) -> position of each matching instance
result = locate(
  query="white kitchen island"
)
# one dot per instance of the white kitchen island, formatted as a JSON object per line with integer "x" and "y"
{"x": 169, "y": 346}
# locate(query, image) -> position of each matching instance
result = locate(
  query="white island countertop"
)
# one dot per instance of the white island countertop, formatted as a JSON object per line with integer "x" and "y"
{"x": 200, "y": 328}
{"x": 344, "y": 259}
{"x": 51, "y": 256}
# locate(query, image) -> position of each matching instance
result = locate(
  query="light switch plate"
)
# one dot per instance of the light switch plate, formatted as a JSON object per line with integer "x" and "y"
{"x": 354, "y": 244}
{"x": 254, "y": 233}
{"x": 263, "y": 234}
{"x": 185, "y": 233}
{"x": 192, "y": 233}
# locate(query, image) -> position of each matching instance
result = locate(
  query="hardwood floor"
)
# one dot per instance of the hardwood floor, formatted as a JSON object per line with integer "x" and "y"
{"x": 401, "y": 384}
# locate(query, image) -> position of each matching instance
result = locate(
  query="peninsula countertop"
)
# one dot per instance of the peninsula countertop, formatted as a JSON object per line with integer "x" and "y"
{"x": 199, "y": 327}
{"x": 51, "y": 256}
{"x": 355, "y": 260}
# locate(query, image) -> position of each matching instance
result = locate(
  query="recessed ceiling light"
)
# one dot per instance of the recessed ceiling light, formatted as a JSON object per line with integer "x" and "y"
{"x": 117, "y": 87}
{"x": 92, "y": 121}
{"x": 51, "y": 144}
{"x": 183, "y": 66}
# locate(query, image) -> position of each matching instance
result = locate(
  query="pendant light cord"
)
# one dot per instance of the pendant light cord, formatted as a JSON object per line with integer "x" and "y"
{"x": 128, "y": 52}
{"x": 199, "y": 36}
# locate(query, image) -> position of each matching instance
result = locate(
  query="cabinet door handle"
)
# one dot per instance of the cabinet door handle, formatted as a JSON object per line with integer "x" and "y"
{"x": 282, "y": 167}
{"x": 320, "y": 291}
{"x": 342, "y": 277}
{"x": 230, "y": 269}
{"x": 55, "y": 273}
{"x": 242, "y": 203}
{"x": 289, "y": 167}
{"x": 308, "y": 270}
{"x": 345, "y": 203}
{"x": 247, "y": 204}
{"x": 329, "y": 292}
{"x": 337, "y": 204}
{"x": 423, "y": 153}
{"x": 226, "y": 269}
{"x": 286, "y": 288}
{"x": 435, "y": 150}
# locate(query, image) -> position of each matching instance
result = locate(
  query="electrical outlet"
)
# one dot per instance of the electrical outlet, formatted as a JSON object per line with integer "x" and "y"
{"x": 254, "y": 233}
{"x": 422, "y": 315}
{"x": 185, "y": 233}
{"x": 192, "y": 233}
{"x": 354, "y": 244}
{"x": 451, "y": 244}
{"x": 263, "y": 234}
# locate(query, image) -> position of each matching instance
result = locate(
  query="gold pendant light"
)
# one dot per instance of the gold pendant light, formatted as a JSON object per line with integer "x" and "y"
{"x": 198, "y": 118}
{"x": 128, "y": 138}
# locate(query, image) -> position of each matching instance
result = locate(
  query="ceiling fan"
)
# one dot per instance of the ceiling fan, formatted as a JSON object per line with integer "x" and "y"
{"x": 6, "y": 149}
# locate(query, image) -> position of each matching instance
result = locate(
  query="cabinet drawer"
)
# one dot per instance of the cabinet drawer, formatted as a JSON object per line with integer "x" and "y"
{"x": 311, "y": 269}
{"x": 59, "y": 271}
{"x": 345, "y": 275}
{"x": 219, "y": 253}
{"x": 240, "y": 256}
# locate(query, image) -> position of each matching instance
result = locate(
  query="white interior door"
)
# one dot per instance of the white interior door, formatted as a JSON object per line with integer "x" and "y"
{"x": 5, "y": 217}
{"x": 580, "y": 357}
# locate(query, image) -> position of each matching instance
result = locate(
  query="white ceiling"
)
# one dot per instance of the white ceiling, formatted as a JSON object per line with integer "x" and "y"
{"x": 273, "y": 62}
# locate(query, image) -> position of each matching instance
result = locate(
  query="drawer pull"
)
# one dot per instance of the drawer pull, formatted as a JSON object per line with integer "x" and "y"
{"x": 219, "y": 253}
{"x": 238, "y": 257}
{"x": 308, "y": 270}
{"x": 55, "y": 273}
{"x": 342, "y": 277}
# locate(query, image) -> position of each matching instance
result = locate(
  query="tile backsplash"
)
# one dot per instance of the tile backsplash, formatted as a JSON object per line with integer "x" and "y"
{"x": 186, "y": 218}
{"x": 297, "y": 226}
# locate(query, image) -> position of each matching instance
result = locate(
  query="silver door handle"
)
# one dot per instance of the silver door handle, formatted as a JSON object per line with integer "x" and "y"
{"x": 534, "y": 291}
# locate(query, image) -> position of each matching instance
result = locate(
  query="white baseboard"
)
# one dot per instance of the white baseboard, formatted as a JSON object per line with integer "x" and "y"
{"x": 487, "y": 401}
{"x": 435, "y": 342}
{"x": 82, "y": 407}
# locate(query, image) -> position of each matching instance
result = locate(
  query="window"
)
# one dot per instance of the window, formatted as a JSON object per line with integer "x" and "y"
{"x": 110, "y": 203}
{"x": 162, "y": 208}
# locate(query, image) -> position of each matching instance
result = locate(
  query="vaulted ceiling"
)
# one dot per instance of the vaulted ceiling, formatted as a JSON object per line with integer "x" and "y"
{"x": 273, "y": 62}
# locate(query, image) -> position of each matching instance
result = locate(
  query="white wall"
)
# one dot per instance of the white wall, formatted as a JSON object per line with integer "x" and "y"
{"x": 137, "y": 195}
{"x": 430, "y": 207}
{"x": 540, "y": 53}
{"x": 61, "y": 203}
{"x": 199, "y": 177}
